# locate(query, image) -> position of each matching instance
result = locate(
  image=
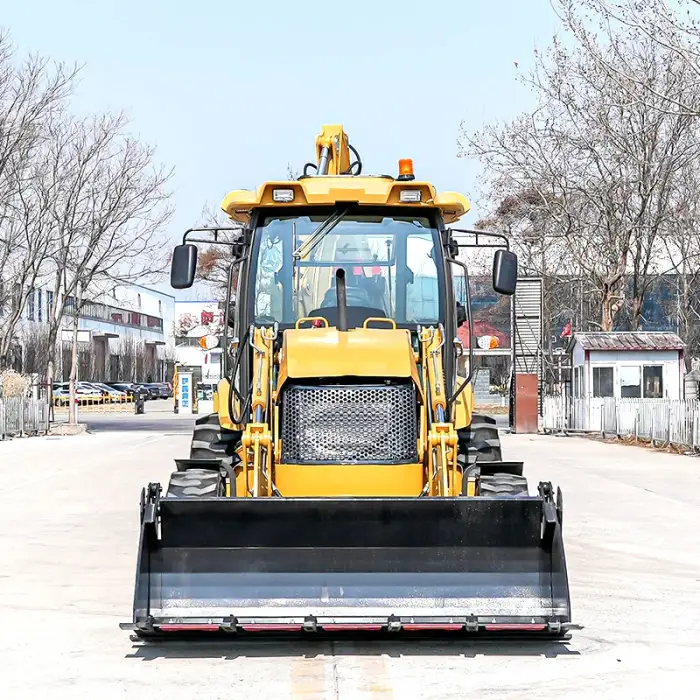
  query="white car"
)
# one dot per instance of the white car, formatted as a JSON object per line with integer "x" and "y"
{"x": 84, "y": 393}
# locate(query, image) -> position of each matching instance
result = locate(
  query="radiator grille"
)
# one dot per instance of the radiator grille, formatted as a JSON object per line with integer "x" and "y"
{"x": 349, "y": 424}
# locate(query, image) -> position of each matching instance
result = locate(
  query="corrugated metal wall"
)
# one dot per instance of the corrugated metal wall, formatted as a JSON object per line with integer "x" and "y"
{"x": 528, "y": 328}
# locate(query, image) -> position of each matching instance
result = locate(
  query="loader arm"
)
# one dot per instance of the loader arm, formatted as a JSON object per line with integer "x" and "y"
{"x": 333, "y": 151}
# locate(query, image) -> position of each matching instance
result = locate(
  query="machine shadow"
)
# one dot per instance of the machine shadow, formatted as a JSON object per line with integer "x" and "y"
{"x": 304, "y": 648}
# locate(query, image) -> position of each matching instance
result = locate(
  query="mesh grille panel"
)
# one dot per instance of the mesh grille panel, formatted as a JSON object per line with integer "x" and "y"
{"x": 349, "y": 424}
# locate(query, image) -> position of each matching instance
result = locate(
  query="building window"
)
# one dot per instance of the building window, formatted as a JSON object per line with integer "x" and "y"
{"x": 139, "y": 300}
{"x": 39, "y": 305}
{"x": 30, "y": 305}
{"x": 653, "y": 382}
{"x": 630, "y": 382}
{"x": 603, "y": 382}
{"x": 49, "y": 303}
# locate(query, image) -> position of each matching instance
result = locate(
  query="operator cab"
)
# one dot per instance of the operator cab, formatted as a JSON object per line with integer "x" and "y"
{"x": 389, "y": 258}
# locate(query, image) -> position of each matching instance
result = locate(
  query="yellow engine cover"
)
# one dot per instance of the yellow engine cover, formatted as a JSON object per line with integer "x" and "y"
{"x": 362, "y": 352}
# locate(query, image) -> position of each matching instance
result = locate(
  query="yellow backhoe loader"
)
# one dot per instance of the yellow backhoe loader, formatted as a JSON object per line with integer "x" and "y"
{"x": 344, "y": 482}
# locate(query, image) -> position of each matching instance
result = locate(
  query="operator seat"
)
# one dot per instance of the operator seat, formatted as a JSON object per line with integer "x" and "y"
{"x": 356, "y": 296}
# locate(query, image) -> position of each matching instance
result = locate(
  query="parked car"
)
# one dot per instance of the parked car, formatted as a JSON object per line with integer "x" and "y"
{"x": 131, "y": 389}
{"x": 84, "y": 393}
{"x": 164, "y": 390}
{"x": 83, "y": 388}
{"x": 109, "y": 393}
{"x": 151, "y": 392}
{"x": 159, "y": 391}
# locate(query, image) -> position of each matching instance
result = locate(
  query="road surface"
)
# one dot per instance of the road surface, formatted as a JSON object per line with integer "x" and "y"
{"x": 68, "y": 536}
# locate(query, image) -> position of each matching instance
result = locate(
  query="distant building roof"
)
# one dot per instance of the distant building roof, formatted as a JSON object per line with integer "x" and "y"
{"x": 628, "y": 340}
{"x": 482, "y": 328}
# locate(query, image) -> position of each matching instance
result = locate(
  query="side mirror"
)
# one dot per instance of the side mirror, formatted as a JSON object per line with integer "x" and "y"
{"x": 505, "y": 272}
{"x": 184, "y": 266}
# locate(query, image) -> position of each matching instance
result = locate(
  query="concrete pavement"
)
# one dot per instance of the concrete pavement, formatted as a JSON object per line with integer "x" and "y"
{"x": 158, "y": 416}
{"x": 68, "y": 537}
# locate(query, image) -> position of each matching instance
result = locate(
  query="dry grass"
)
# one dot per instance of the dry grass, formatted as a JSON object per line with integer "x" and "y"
{"x": 667, "y": 447}
{"x": 492, "y": 409}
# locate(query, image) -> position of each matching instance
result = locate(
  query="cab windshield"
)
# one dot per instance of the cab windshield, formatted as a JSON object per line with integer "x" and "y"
{"x": 389, "y": 262}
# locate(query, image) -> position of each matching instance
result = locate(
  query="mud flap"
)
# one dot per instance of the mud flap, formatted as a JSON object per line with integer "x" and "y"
{"x": 242, "y": 564}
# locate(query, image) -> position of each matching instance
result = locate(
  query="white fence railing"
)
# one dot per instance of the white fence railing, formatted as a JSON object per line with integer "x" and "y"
{"x": 22, "y": 416}
{"x": 658, "y": 420}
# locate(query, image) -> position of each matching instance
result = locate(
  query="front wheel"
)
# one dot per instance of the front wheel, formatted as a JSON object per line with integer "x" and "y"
{"x": 502, "y": 486}
{"x": 195, "y": 483}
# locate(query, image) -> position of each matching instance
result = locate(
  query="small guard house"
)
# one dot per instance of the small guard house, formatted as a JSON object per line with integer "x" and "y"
{"x": 627, "y": 365}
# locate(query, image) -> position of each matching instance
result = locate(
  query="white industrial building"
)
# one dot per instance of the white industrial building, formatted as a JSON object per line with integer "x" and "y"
{"x": 125, "y": 333}
{"x": 193, "y": 321}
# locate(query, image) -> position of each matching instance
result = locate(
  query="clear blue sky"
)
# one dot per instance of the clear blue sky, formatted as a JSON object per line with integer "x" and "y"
{"x": 230, "y": 92}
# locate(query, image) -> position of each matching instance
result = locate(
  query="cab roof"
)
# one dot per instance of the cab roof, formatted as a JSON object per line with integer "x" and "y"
{"x": 336, "y": 189}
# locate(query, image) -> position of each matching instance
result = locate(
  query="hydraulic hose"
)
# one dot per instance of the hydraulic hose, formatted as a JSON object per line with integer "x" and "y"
{"x": 245, "y": 403}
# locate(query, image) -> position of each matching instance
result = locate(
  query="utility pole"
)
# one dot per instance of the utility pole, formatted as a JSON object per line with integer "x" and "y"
{"x": 73, "y": 411}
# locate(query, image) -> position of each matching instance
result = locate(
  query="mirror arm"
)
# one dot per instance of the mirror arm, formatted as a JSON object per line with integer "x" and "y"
{"x": 470, "y": 321}
{"x": 476, "y": 233}
{"x": 186, "y": 238}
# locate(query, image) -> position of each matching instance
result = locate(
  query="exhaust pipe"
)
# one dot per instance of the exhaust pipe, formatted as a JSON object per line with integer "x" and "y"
{"x": 342, "y": 301}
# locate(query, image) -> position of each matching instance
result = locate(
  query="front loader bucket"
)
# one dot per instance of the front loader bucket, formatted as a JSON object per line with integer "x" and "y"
{"x": 321, "y": 564}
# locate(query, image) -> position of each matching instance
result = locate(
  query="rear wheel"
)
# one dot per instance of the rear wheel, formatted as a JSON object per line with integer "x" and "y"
{"x": 479, "y": 442}
{"x": 206, "y": 440}
{"x": 502, "y": 486}
{"x": 195, "y": 483}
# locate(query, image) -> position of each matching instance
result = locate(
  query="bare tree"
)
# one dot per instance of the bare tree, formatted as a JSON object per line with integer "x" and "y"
{"x": 107, "y": 204}
{"x": 683, "y": 251}
{"x": 673, "y": 27}
{"x": 33, "y": 95}
{"x": 35, "y": 345}
{"x": 589, "y": 178}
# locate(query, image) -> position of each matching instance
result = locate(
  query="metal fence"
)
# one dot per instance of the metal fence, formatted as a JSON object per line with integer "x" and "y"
{"x": 659, "y": 420}
{"x": 23, "y": 416}
{"x": 96, "y": 404}
{"x": 561, "y": 413}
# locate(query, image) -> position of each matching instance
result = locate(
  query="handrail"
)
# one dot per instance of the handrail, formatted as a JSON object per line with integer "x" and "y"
{"x": 380, "y": 319}
{"x": 470, "y": 321}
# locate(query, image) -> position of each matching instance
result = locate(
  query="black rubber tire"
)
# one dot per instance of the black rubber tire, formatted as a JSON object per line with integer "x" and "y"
{"x": 480, "y": 440}
{"x": 195, "y": 483}
{"x": 502, "y": 486}
{"x": 206, "y": 440}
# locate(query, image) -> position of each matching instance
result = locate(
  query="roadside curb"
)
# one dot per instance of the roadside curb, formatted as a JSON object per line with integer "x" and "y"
{"x": 66, "y": 429}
